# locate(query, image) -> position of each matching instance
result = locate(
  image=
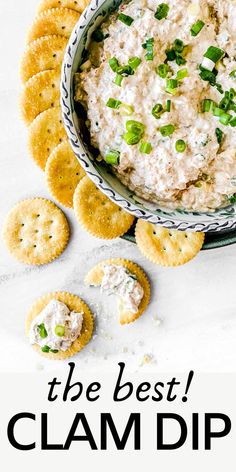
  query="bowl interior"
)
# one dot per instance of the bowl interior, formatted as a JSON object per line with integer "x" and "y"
{"x": 223, "y": 218}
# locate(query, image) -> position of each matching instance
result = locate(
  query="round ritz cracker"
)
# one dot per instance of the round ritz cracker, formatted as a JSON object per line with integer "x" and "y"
{"x": 36, "y": 231}
{"x": 42, "y": 54}
{"x": 45, "y": 132}
{"x": 98, "y": 214}
{"x": 74, "y": 303}
{"x": 77, "y": 5}
{"x": 54, "y": 21}
{"x": 167, "y": 247}
{"x": 41, "y": 92}
{"x": 95, "y": 275}
{"x": 63, "y": 173}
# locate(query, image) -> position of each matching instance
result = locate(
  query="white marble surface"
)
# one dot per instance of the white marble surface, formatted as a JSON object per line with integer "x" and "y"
{"x": 196, "y": 302}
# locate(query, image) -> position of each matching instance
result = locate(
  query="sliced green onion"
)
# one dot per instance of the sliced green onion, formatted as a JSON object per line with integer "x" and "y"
{"x": 180, "y": 60}
{"x": 134, "y": 62}
{"x": 171, "y": 91}
{"x": 42, "y": 331}
{"x": 225, "y": 102}
{"x": 219, "y": 135}
{"x": 125, "y": 70}
{"x": 217, "y": 111}
{"x": 232, "y": 199}
{"x": 178, "y": 45}
{"x": 113, "y": 103}
{"x": 168, "y": 105}
{"x": 182, "y": 74}
{"x": 54, "y": 351}
{"x": 118, "y": 80}
{"x": 45, "y": 348}
{"x": 131, "y": 138}
{"x": 180, "y": 145}
{"x": 233, "y": 74}
{"x": 135, "y": 127}
{"x": 163, "y": 70}
{"x": 126, "y": 19}
{"x": 162, "y": 11}
{"x": 171, "y": 83}
{"x": 208, "y": 76}
{"x": 214, "y": 54}
{"x": 167, "y": 130}
{"x": 157, "y": 111}
{"x": 59, "y": 330}
{"x": 145, "y": 148}
{"x": 207, "y": 105}
{"x": 233, "y": 122}
{"x": 149, "y": 48}
{"x": 114, "y": 64}
{"x": 225, "y": 118}
{"x": 126, "y": 109}
{"x": 232, "y": 94}
{"x": 197, "y": 27}
{"x": 112, "y": 157}
{"x": 170, "y": 55}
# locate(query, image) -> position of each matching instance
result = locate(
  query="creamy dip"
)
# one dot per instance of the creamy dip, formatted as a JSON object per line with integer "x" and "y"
{"x": 119, "y": 281}
{"x": 194, "y": 165}
{"x": 56, "y": 327}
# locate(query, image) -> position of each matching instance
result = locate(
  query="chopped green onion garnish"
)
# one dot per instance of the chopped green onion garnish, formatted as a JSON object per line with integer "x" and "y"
{"x": 181, "y": 74}
{"x": 207, "y": 105}
{"x": 149, "y": 48}
{"x": 232, "y": 199}
{"x": 168, "y": 105}
{"x": 125, "y": 70}
{"x": 157, "y": 111}
{"x": 126, "y": 109}
{"x": 45, "y": 348}
{"x": 127, "y": 20}
{"x": 135, "y": 127}
{"x": 197, "y": 27}
{"x": 180, "y": 145}
{"x": 114, "y": 64}
{"x": 54, "y": 351}
{"x": 145, "y": 148}
{"x": 208, "y": 76}
{"x": 167, "y": 130}
{"x": 131, "y": 138}
{"x": 219, "y": 135}
{"x": 113, "y": 103}
{"x": 163, "y": 70}
{"x": 214, "y": 54}
{"x": 225, "y": 118}
{"x": 233, "y": 74}
{"x": 134, "y": 62}
{"x": 42, "y": 331}
{"x": 178, "y": 45}
{"x": 233, "y": 122}
{"x": 118, "y": 80}
{"x": 162, "y": 11}
{"x": 59, "y": 330}
{"x": 180, "y": 60}
{"x": 170, "y": 55}
{"x": 172, "y": 83}
{"x": 112, "y": 157}
{"x": 98, "y": 35}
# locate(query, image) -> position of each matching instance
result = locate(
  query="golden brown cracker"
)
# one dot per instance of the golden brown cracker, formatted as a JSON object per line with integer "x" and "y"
{"x": 45, "y": 133}
{"x": 167, "y": 247}
{"x": 60, "y": 21}
{"x": 41, "y": 92}
{"x": 63, "y": 173}
{"x": 36, "y": 231}
{"x": 74, "y": 303}
{"x": 95, "y": 275}
{"x": 42, "y": 54}
{"x": 77, "y": 5}
{"x": 98, "y": 214}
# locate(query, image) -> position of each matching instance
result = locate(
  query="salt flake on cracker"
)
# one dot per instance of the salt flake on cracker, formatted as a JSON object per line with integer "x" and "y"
{"x": 41, "y": 92}
{"x": 63, "y": 173}
{"x": 98, "y": 214}
{"x": 74, "y": 303}
{"x": 45, "y": 133}
{"x": 54, "y": 21}
{"x": 167, "y": 247}
{"x": 95, "y": 277}
{"x": 36, "y": 231}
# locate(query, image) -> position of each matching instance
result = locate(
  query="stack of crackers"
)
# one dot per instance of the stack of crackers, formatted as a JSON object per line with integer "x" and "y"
{"x": 33, "y": 228}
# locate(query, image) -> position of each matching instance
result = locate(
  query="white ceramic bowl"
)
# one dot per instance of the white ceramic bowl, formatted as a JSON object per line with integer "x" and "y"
{"x": 108, "y": 183}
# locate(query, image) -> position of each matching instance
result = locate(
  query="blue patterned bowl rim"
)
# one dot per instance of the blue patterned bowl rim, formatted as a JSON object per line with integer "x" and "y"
{"x": 222, "y": 219}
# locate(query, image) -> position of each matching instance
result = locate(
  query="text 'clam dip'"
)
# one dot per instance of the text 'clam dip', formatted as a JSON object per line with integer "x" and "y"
{"x": 56, "y": 327}
{"x": 159, "y": 87}
{"x": 120, "y": 281}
